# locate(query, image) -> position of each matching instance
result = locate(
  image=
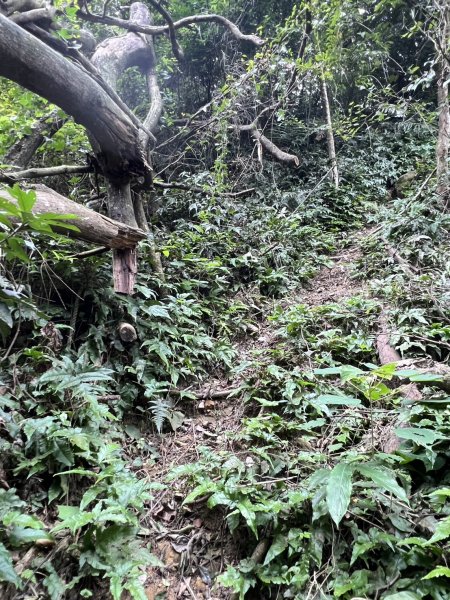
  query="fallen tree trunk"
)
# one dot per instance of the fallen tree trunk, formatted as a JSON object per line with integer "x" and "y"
{"x": 404, "y": 370}
{"x": 388, "y": 354}
{"x": 93, "y": 227}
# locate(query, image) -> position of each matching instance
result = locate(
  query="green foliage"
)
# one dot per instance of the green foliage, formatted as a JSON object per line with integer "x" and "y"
{"x": 20, "y": 230}
{"x": 309, "y": 472}
{"x": 310, "y": 465}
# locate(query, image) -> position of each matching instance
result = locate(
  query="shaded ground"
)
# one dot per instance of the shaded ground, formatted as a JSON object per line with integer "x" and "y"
{"x": 193, "y": 541}
{"x": 334, "y": 283}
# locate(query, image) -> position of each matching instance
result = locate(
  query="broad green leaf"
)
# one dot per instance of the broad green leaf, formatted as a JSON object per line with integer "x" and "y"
{"x": 339, "y": 489}
{"x": 336, "y": 400}
{"x": 420, "y": 435}
{"x": 80, "y": 440}
{"x": 442, "y": 531}
{"x": 424, "y": 377}
{"x": 403, "y": 596}
{"x": 16, "y": 249}
{"x": 9, "y": 208}
{"x": 359, "y": 549}
{"x": 219, "y": 497}
{"x": 418, "y": 376}
{"x": 5, "y": 221}
{"x": 72, "y": 518}
{"x": 116, "y": 587}
{"x": 328, "y": 371}
{"x": 279, "y": 545}
{"x": 349, "y": 372}
{"x": 77, "y": 472}
{"x": 204, "y": 488}
{"x": 441, "y": 492}
{"x": 89, "y": 496}
{"x": 22, "y": 520}
{"x": 55, "y": 585}
{"x": 7, "y": 572}
{"x": 136, "y": 589}
{"x": 26, "y": 200}
{"x": 19, "y": 536}
{"x": 383, "y": 479}
{"x": 5, "y": 315}
{"x": 386, "y": 371}
{"x": 438, "y": 572}
{"x": 63, "y": 453}
{"x": 157, "y": 311}
{"x": 411, "y": 541}
{"x": 249, "y": 515}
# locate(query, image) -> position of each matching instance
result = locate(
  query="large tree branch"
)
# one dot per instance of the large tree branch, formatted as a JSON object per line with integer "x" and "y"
{"x": 30, "y": 63}
{"x": 13, "y": 176}
{"x": 176, "y": 48}
{"x": 62, "y": 47}
{"x": 36, "y": 14}
{"x": 94, "y": 227}
{"x": 290, "y": 159}
{"x": 161, "y": 29}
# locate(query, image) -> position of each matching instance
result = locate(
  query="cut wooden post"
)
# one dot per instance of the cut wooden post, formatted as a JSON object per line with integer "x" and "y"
{"x": 124, "y": 270}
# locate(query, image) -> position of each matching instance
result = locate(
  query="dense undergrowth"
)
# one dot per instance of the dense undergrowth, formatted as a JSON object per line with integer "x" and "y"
{"x": 309, "y": 478}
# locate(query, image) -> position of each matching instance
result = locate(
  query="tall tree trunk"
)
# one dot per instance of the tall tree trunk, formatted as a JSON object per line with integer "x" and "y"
{"x": 443, "y": 140}
{"x": 334, "y": 173}
{"x": 111, "y": 58}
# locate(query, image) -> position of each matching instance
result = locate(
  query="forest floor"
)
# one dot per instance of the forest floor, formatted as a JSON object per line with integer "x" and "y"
{"x": 192, "y": 540}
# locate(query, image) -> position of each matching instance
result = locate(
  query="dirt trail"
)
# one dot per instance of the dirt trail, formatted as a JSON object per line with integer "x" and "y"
{"x": 192, "y": 541}
{"x": 334, "y": 283}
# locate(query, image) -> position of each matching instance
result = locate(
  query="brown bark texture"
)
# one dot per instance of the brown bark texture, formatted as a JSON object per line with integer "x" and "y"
{"x": 37, "y": 67}
{"x": 111, "y": 58}
{"x": 334, "y": 173}
{"x": 443, "y": 140}
{"x": 94, "y": 227}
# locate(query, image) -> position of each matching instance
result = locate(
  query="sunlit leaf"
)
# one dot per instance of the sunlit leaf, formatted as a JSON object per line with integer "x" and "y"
{"x": 339, "y": 489}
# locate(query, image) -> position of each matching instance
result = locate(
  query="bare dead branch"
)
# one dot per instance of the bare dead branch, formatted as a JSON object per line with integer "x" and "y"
{"x": 198, "y": 190}
{"x": 176, "y": 48}
{"x": 161, "y": 29}
{"x": 89, "y": 253}
{"x": 37, "y": 173}
{"x": 272, "y": 148}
